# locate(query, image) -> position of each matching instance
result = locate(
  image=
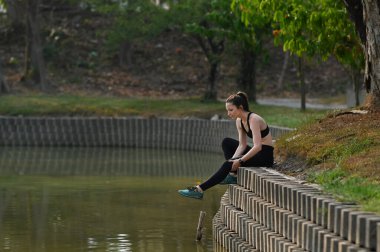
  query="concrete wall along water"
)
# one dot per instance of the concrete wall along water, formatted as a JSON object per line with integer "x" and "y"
{"x": 184, "y": 134}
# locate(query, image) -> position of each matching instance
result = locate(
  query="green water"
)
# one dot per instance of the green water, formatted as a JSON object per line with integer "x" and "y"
{"x": 78, "y": 199}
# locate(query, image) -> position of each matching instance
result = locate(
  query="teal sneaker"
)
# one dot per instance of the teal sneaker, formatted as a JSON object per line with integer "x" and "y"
{"x": 229, "y": 180}
{"x": 191, "y": 192}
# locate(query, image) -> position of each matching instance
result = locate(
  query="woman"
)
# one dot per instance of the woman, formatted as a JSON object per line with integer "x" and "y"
{"x": 238, "y": 153}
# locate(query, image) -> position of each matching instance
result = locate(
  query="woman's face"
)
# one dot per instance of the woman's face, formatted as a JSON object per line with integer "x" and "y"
{"x": 232, "y": 111}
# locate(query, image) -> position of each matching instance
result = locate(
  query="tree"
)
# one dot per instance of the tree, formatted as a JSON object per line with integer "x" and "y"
{"x": 290, "y": 20}
{"x": 35, "y": 63}
{"x": 249, "y": 38}
{"x": 209, "y": 29}
{"x": 133, "y": 21}
{"x": 365, "y": 15}
{"x": 307, "y": 28}
{"x": 214, "y": 25}
{"x": 34, "y": 68}
{"x": 3, "y": 85}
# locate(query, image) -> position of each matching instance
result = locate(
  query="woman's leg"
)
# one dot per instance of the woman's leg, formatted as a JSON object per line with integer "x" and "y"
{"x": 262, "y": 159}
{"x": 229, "y": 147}
{"x": 217, "y": 177}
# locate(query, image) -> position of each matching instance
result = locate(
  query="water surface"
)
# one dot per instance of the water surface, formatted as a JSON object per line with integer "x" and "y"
{"x": 104, "y": 199}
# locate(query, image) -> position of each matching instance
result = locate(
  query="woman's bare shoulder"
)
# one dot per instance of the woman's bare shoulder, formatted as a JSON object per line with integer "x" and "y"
{"x": 255, "y": 118}
{"x": 238, "y": 122}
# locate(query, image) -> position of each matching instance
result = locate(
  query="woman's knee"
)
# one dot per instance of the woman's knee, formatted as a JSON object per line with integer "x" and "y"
{"x": 226, "y": 166}
{"x": 228, "y": 142}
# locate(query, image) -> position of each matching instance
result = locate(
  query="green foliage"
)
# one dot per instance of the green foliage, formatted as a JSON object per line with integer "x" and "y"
{"x": 132, "y": 20}
{"x": 211, "y": 20}
{"x": 219, "y": 19}
{"x": 309, "y": 27}
{"x": 250, "y": 34}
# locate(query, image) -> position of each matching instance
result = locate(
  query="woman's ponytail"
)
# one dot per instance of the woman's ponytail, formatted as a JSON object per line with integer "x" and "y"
{"x": 239, "y": 99}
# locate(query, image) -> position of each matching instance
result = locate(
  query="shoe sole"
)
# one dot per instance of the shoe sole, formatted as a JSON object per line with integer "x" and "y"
{"x": 228, "y": 183}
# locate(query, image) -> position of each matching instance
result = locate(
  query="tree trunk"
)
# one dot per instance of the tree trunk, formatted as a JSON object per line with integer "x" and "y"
{"x": 280, "y": 83}
{"x": 125, "y": 54}
{"x": 247, "y": 75}
{"x": 37, "y": 70}
{"x": 3, "y": 85}
{"x": 211, "y": 93}
{"x": 27, "y": 53}
{"x": 365, "y": 14}
{"x": 301, "y": 76}
{"x": 371, "y": 12}
{"x": 356, "y": 83}
{"x": 213, "y": 50}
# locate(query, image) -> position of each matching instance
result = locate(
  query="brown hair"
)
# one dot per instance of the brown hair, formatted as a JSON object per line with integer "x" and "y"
{"x": 239, "y": 99}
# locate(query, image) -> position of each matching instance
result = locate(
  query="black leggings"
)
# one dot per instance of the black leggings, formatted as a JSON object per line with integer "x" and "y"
{"x": 263, "y": 158}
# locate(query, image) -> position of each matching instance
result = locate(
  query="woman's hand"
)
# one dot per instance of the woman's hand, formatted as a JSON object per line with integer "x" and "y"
{"x": 235, "y": 165}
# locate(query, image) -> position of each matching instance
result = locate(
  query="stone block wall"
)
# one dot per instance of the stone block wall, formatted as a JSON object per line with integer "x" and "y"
{"x": 181, "y": 134}
{"x": 270, "y": 212}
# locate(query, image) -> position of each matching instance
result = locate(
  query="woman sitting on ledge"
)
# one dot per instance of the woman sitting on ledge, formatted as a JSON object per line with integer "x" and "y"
{"x": 238, "y": 153}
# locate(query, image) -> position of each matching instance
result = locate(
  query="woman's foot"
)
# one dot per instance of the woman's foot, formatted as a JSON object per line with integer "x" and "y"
{"x": 230, "y": 179}
{"x": 192, "y": 192}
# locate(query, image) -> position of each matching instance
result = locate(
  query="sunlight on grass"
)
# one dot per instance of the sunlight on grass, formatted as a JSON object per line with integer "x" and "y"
{"x": 349, "y": 188}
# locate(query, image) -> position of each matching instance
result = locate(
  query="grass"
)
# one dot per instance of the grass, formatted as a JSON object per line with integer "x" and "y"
{"x": 68, "y": 105}
{"x": 343, "y": 155}
{"x": 349, "y": 188}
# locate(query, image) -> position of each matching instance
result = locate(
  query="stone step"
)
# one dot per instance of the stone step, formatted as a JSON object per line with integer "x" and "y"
{"x": 234, "y": 243}
{"x": 294, "y": 230}
{"x": 228, "y": 238}
{"x": 307, "y": 201}
{"x": 330, "y": 214}
{"x": 266, "y": 209}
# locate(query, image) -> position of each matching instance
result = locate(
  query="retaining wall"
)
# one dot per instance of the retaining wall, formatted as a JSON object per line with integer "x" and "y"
{"x": 181, "y": 134}
{"x": 268, "y": 211}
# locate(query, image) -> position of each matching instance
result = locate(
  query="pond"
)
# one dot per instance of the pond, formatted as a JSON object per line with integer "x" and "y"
{"x": 104, "y": 199}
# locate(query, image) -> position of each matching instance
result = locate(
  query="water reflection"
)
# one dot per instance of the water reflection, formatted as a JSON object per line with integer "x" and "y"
{"x": 106, "y": 161}
{"x": 133, "y": 206}
{"x": 119, "y": 243}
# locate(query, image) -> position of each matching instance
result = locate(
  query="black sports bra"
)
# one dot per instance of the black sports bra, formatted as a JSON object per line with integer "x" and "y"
{"x": 264, "y": 132}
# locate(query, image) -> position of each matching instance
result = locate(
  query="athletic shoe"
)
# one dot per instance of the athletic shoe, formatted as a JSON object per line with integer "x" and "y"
{"x": 191, "y": 192}
{"x": 229, "y": 180}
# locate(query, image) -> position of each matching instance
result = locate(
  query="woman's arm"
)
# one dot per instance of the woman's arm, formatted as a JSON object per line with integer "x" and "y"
{"x": 256, "y": 138}
{"x": 242, "y": 141}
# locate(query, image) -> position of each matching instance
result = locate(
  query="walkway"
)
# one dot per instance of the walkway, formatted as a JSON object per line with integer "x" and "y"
{"x": 296, "y": 103}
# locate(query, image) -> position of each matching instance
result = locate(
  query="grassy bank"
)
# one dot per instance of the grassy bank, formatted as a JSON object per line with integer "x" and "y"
{"x": 43, "y": 105}
{"x": 342, "y": 151}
